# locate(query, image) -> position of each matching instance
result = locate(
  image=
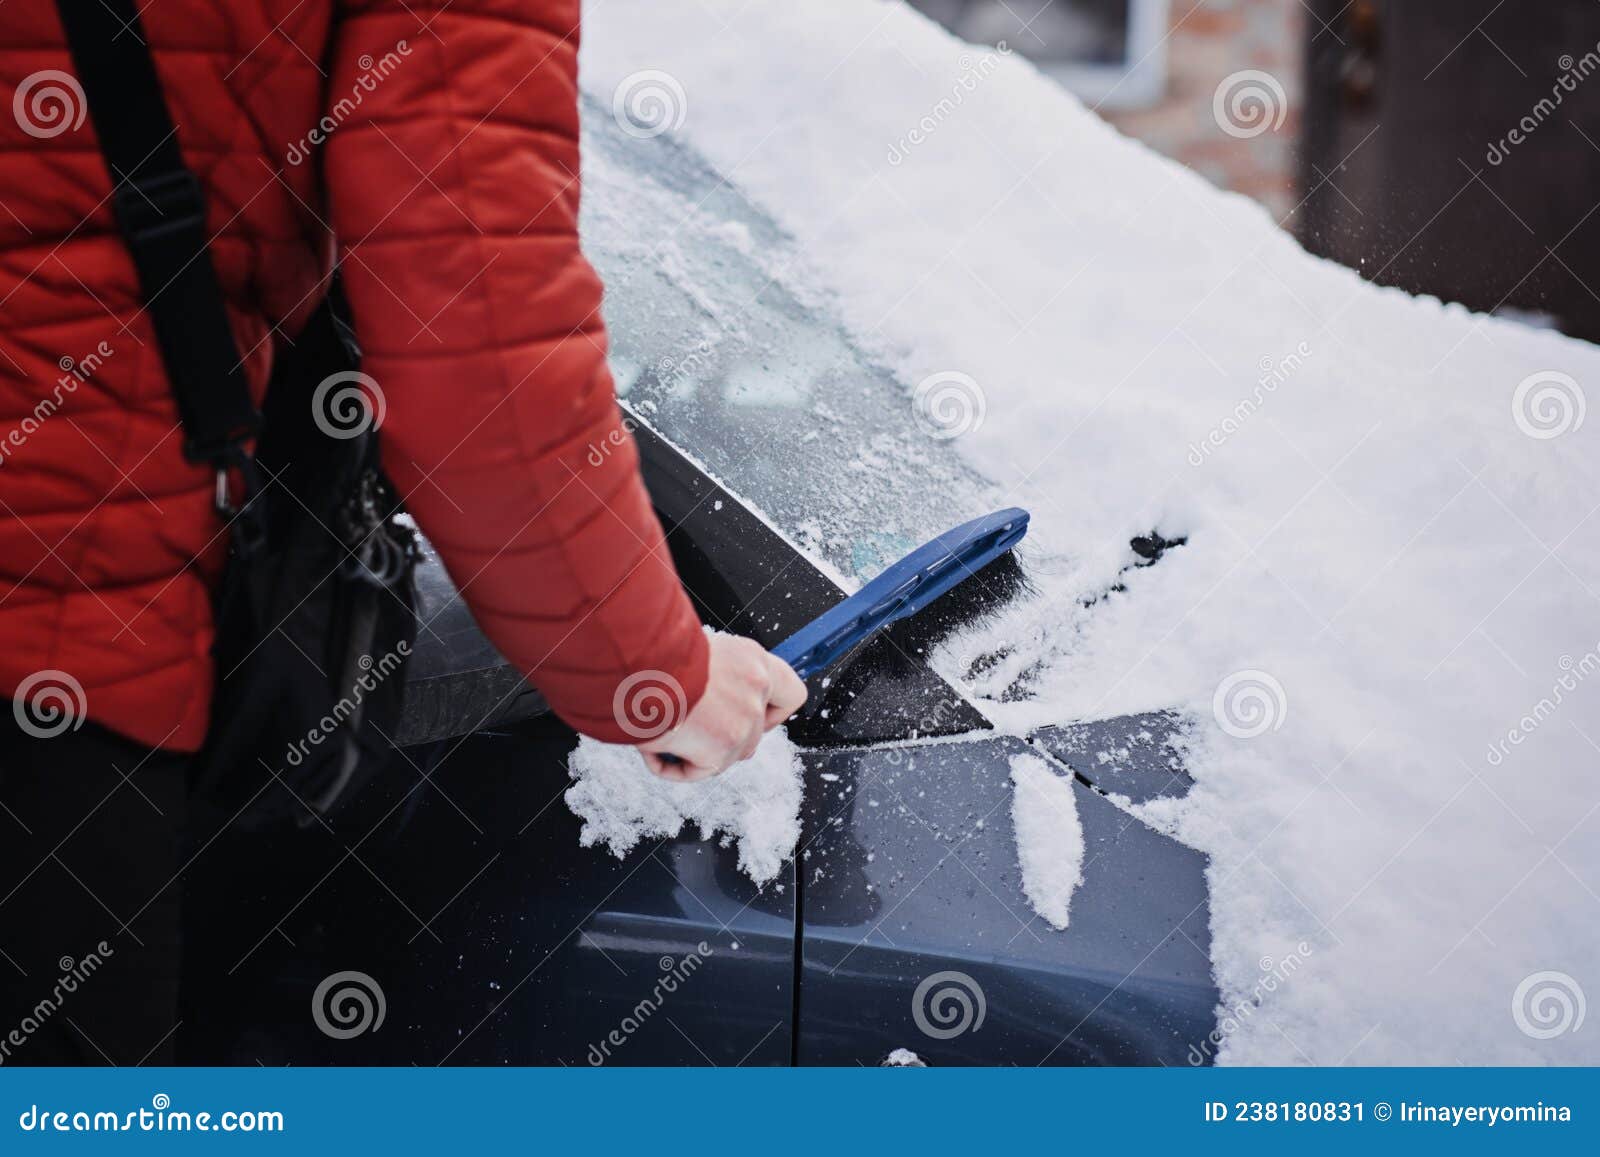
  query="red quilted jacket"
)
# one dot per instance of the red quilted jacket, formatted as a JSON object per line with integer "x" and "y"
{"x": 438, "y": 143}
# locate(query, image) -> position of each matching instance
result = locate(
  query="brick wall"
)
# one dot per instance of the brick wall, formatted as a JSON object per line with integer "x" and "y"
{"x": 1212, "y": 40}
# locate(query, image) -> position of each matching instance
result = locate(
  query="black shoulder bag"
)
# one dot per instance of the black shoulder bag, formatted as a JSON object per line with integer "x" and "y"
{"x": 315, "y": 618}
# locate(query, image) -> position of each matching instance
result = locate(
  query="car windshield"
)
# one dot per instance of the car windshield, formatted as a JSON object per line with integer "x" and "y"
{"x": 718, "y": 346}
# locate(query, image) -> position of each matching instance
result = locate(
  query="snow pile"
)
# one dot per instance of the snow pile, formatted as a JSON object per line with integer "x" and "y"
{"x": 755, "y": 803}
{"x": 1389, "y": 504}
{"x": 1049, "y": 837}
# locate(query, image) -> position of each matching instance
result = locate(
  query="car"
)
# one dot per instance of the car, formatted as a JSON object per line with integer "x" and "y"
{"x": 449, "y": 915}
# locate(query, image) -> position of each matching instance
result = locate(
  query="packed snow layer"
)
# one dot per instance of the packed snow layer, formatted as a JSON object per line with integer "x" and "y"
{"x": 1044, "y": 813}
{"x": 755, "y": 804}
{"x": 1389, "y": 556}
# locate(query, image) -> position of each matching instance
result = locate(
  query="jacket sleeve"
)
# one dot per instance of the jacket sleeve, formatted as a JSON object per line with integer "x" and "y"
{"x": 452, "y": 174}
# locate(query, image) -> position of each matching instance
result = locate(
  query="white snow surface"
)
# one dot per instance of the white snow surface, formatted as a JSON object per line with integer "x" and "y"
{"x": 1384, "y": 573}
{"x": 755, "y": 803}
{"x": 1044, "y": 813}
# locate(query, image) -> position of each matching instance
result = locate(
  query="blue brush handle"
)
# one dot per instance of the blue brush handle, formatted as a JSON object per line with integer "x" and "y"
{"x": 903, "y": 589}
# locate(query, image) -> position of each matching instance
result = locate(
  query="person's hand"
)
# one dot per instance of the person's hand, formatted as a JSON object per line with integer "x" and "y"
{"x": 748, "y": 692}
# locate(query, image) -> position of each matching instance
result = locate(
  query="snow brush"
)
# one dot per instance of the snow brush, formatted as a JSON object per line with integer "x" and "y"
{"x": 902, "y": 590}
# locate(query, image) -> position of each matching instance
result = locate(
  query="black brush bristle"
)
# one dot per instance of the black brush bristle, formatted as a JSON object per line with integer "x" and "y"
{"x": 979, "y": 597}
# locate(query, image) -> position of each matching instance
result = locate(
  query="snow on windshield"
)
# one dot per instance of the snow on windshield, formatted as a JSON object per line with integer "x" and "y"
{"x": 713, "y": 349}
{"x": 1386, "y": 609}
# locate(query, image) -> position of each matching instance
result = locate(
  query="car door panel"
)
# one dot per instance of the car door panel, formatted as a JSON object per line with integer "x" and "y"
{"x": 910, "y": 872}
{"x": 456, "y": 883}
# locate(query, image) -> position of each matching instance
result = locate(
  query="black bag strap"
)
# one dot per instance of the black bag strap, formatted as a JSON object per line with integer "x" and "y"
{"x": 160, "y": 212}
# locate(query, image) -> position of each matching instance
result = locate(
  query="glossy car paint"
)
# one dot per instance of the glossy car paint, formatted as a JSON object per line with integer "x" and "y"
{"x": 911, "y": 870}
{"x": 458, "y": 886}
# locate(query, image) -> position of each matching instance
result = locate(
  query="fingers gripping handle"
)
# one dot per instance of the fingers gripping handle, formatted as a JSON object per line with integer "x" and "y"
{"x": 900, "y": 591}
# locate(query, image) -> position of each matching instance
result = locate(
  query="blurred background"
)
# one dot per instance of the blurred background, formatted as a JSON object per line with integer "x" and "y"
{"x": 1449, "y": 148}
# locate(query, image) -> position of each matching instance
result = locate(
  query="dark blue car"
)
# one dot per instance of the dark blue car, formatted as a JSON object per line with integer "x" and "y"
{"x": 450, "y": 915}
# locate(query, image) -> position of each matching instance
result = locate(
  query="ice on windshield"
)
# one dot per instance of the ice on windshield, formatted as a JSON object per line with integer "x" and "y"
{"x": 712, "y": 347}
